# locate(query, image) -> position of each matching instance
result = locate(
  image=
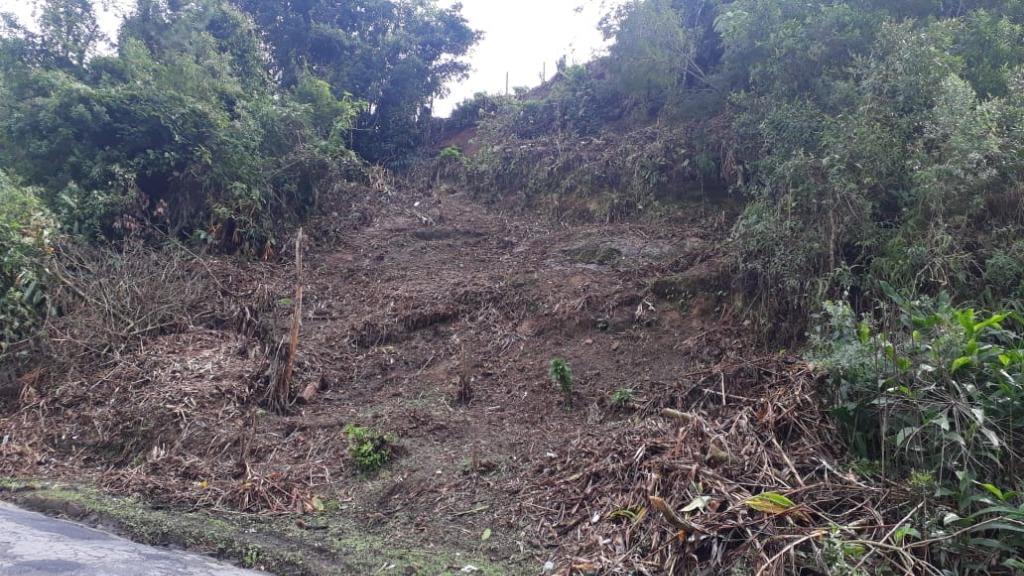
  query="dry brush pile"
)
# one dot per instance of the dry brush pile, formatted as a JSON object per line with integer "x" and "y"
{"x": 152, "y": 379}
{"x": 742, "y": 473}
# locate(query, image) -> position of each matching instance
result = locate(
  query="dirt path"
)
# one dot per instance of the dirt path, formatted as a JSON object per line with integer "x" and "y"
{"x": 440, "y": 294}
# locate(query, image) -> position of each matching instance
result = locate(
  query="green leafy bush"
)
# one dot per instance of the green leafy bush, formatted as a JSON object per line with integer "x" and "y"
{"x": 1004, "y": 270}
{"x": 622, "y": 399}
{"x": 561, "y": 375}
{"x": 470, "y": 112}
{"x": 872, "y": 141}
{"x": 936, "y": 401}
{"x": 26, "y": 234}
{"x": 182, "y": 128}
{"x": 369, "y": 450}
{"x": 451, "y": 154}
{"x": 938, "y": 393}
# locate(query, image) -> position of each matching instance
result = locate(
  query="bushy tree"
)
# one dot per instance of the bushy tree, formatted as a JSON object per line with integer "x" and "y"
{"x": 652, "y": 52}
{"x": 182, "y": 127}
{"x": 397, "y": 56}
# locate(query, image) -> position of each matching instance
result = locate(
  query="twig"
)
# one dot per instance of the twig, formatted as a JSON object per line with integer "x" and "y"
{"x": 888, "y": 535}
{"x": 789, "y": 547}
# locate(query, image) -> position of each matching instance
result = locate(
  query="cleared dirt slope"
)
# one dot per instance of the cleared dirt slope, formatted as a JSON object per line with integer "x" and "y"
{"x": 432, "y": 319}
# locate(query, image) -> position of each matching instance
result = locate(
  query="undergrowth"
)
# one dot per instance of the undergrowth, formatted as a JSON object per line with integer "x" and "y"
{"x": 369, "y": 450}
{"x": 622, "y": 399}
{"x": 934, "y": 401}
{"x": 26, "y": 236}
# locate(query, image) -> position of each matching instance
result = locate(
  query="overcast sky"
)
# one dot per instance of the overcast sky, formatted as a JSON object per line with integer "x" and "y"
{"x": 522, "y": 38}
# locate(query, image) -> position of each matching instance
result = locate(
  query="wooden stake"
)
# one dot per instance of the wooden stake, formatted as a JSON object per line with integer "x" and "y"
{"x": 283, "y": 389}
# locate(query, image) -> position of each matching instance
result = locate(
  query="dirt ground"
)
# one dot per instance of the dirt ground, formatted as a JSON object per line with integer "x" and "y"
{"x": 433, "y": 319}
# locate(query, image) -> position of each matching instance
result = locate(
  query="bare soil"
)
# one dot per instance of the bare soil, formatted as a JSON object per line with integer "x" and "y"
{"x": 433, "y": 319}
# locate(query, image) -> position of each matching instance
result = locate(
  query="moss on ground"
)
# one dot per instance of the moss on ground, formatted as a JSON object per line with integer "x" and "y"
{"x": 277, "y": 545}
{"x": 596, "y": 254}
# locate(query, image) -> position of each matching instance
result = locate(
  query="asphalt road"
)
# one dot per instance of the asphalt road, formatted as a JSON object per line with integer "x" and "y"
{"x": 34, "y": 545}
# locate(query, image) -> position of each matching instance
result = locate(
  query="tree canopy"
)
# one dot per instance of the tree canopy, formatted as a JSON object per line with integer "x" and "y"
{"x": 213, "y": 117}
{"x": 395, "y": 56}
{"x": 872, "y": 142}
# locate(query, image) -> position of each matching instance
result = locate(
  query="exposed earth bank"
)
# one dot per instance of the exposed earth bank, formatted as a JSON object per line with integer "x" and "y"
{"x": 430, "y": 321}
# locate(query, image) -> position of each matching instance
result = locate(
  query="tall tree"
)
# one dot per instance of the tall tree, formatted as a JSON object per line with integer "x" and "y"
{"x": 396, "y": 55}
{"x": 69, "y": 32}
{"x": 183, "y": 126}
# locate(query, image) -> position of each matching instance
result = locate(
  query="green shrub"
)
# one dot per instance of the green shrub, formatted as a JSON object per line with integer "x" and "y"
{"x": 370, "y": 450}
{"x": 451, "y": 154}
{"x": 561, "y": 375}
{"x": 470, "y": 112}
{"x": 177, "y": 129}
{"x": 1004, "y": 270}
{"x": 937, "y": 402}
{"x": 938, "y": 394}
{"x": 622, "y": 399}
{"x": 26, "y": 233}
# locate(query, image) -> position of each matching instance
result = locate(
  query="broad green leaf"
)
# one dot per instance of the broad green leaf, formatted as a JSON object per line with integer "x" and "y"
{"x": 864, "y": 332}
{"x": 854, "y": 551}
{"x": 999, "y": 526}
{"x": 903, "y": 531}
{"x": 966, "y": 319}
{"x": 995, "y": 321}
{"x": 972, "y": 347}
{"x": 770, "y": 503}
{"x": 960, "y": 363}
{"x": 1015, "y": 563}
{"x": 990, "y": 543}
{"x": 992, "y": 489}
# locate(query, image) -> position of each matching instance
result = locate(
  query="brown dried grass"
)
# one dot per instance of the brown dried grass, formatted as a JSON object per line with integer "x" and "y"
{"x": 618, "y": 503}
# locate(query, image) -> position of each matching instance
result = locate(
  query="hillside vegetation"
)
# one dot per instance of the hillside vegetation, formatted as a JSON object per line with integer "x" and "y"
{"x": 870, "y": 142}
{"x": 740, "y": 296}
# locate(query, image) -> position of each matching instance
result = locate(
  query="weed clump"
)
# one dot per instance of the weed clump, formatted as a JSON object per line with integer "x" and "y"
{"x": 451, "y": 153}
{"x": 370, "y": 451}
{"x": 622, "y": 399}
{"x": 561, "y": 374}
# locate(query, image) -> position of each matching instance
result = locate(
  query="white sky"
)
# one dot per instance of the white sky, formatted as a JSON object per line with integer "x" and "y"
{"x": 521, "y": 38}
{"x": 24, "y": 10}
